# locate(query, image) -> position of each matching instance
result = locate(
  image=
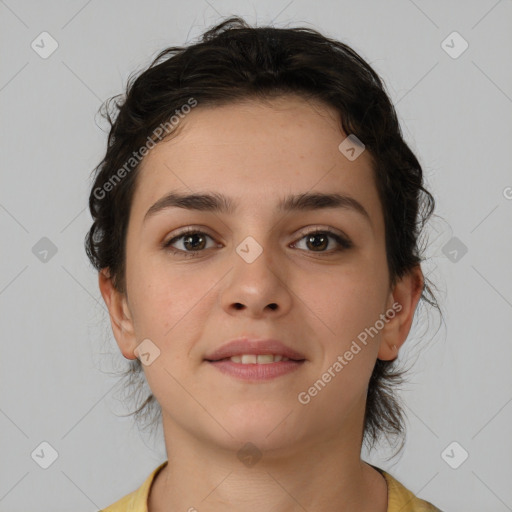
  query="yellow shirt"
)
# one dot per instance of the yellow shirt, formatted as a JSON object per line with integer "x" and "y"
{"x": 399, "y": 498}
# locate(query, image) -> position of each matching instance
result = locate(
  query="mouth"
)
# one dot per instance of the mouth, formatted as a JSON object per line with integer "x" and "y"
{"x": 256, "y": 359}
{"x": 253, "y": 360}
{"x": 251, "y": 351}
{"x": 256, "y": 368}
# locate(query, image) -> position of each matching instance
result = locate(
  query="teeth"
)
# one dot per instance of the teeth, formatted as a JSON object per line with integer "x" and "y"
{"x": 258, "y": 359}
{"x": 267, "y": 358}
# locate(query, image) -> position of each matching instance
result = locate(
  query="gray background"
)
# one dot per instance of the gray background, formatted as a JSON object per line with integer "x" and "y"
{"x": 57, "y": 347}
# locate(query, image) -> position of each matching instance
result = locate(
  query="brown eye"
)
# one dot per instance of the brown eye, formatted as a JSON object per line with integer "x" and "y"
{"x": 192, "y": 242}
{"x": 319, "y": 240}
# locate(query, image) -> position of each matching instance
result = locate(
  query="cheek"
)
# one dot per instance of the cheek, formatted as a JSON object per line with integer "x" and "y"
{"x": 168, "y": 300}
{"x": 347, "y": 305}
{"x": 345, "y": 300}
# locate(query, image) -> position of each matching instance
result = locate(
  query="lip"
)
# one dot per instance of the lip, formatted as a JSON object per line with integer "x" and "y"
{"x": 256, "y": 372}
{"x": 242, "y": 346}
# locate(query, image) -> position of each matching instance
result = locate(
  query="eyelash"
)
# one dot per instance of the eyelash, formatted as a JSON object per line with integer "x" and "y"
{"x": 344, "y": 243}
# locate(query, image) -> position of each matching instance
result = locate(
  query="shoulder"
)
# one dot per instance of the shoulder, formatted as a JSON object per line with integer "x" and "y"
{"x": 400, "y": 499}
{"x": 136, "y": 501}
{"x": 124, "y": 504}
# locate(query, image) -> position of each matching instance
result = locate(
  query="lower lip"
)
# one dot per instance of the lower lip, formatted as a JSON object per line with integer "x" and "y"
{"x": 256, "y": 372}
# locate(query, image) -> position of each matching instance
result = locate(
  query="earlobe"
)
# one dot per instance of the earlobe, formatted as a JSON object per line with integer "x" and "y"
{"x": 120, "y": 316}
{"x": 402, "y": 304}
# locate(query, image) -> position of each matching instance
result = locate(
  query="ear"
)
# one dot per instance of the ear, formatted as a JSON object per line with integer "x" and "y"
{"x": 120, "y": 316}
{"x": 402, "y": 303}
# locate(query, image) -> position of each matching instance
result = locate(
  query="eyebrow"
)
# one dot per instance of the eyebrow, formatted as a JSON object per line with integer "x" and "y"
{"x": 219, "y": 203}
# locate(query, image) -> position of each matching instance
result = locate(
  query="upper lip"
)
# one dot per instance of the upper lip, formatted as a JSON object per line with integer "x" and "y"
{"x": 243, "y": 346}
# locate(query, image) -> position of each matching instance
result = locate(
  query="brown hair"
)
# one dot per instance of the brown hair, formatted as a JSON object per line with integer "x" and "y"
{"x": 234, "y": 61}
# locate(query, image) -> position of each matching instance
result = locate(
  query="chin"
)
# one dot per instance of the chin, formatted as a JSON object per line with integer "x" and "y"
{"x": 268, "y": 428}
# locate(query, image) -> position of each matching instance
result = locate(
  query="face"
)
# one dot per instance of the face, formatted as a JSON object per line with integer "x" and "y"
{"x": 313, "y": 277}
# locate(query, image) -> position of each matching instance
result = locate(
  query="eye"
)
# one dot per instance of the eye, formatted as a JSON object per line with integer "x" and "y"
{"x": 192, "y": 240}
{"x": 318, "y": 240}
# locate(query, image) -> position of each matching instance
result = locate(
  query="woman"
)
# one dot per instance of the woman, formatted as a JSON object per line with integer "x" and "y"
{"x": 256, "y": 219}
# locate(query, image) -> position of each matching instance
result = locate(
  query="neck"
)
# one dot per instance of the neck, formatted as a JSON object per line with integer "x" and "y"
{"x": 326, "y": 475}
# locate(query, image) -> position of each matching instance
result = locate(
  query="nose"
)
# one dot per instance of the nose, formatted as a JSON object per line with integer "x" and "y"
{"x": 257, "y": 285}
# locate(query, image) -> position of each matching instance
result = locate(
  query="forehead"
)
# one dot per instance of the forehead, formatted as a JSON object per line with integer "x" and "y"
{"x": 256, "y": 151}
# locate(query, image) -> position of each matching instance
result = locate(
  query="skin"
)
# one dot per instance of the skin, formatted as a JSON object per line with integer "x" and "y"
{"x": 256, "y": 153}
